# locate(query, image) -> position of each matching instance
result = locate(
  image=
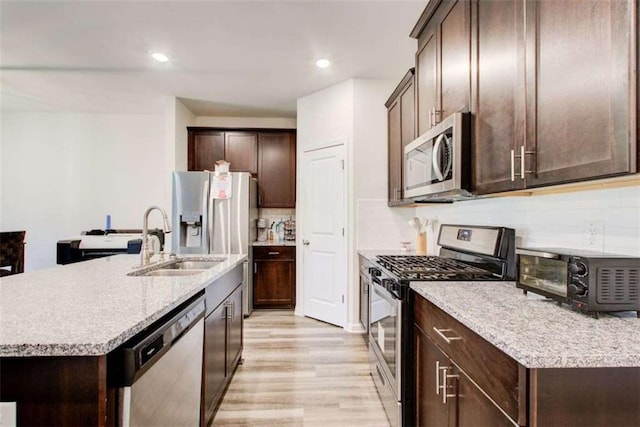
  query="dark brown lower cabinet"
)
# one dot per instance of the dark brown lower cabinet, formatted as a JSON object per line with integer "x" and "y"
{"x": 446, "y": 396}
{"x": 214, "y": 360}
{"x": 460, "y": 379}
{"x": 58, "y": 391}
{"x": 222, "y": 340}
{"x": 274, "y": 277}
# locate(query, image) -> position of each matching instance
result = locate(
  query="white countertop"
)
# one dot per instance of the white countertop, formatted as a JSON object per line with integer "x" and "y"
{"x": 536, "y": 332}
{"x": 91, "y": 307}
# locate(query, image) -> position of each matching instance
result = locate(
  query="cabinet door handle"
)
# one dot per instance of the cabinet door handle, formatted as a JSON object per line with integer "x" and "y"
{"x": 255, "y": 267}
{"x": 444, "y": 337}
{"x": 437, "y": 377}
{"x": 274, "y": 253}
{"x": 305, "y": 242}
{"x": 445, "y": 385}
{"x": 523, "y": 167}
{"x": 513, "y": 165}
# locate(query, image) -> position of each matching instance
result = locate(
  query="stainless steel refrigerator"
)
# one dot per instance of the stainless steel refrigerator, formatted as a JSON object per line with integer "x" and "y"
{"x": 206, "y": 225}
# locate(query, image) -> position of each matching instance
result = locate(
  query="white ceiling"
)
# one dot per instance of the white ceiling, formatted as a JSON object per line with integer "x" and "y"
{"x": 230, "y": 58}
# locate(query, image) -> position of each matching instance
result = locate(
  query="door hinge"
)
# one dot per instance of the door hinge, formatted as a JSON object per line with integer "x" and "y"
{"x": 342, "y": 231}
{"x": 343, "y": 299}
{"x": 342, "y": 164}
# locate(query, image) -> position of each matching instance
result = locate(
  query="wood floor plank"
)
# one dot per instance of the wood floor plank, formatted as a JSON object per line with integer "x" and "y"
{"x": 300, "y": 372}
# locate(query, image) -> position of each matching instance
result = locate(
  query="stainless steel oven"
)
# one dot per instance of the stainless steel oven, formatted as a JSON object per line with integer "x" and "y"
{"x": 437, "y": 164}
{"x": 365, "y": 285}
{"x": 386, "y": 309}
{"x": 467, "y": 253}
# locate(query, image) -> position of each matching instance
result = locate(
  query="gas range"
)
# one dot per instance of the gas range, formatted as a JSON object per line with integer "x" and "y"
{"x": 468, "y": 253}
{"x": 417, "y": 268}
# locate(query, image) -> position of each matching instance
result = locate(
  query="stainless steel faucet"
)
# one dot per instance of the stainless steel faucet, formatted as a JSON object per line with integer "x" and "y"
{"x": 145, "y": 253}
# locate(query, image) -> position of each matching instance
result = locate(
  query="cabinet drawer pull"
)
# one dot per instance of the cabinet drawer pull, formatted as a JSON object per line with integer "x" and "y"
{"x": 274, "y": 253}
{"x": 444, "y": 337}
{"x": 445, "y": 386}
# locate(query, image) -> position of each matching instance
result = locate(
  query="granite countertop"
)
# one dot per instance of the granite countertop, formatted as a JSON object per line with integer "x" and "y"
{"x": 534, "y": 331}
{"x": 275, "y": 243}
{"x": 90, "y": 308}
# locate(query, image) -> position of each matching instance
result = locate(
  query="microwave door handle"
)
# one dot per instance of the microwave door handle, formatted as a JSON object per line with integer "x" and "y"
{"x": 447, "y": 142}
{"x": 436, "y": 158}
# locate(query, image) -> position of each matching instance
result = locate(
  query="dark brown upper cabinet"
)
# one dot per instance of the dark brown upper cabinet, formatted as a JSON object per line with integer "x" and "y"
{"x": 269, "y": 154}
{"x": 551, "y": 86}
{"x": 205, "y": 148}
{"x": 581, "y": 90}
{"x": 401, "y": 131}
{"x": 498, "y": 104}
{"x": 443, "y": 61}
{"x": 277, "y": 169}
{"x": 241, "y": 150}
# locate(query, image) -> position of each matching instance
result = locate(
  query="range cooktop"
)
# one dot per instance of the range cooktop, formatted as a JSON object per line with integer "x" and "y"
{"x": 416, "y": 268}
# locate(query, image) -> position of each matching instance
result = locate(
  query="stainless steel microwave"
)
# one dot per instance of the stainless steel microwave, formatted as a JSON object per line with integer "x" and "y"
{"x": 437, "y": 164}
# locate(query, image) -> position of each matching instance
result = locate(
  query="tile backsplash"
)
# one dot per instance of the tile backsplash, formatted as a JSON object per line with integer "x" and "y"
{"x": 276, "y": 215}
{"x": 602, "y": 220}
{"x": 380, "y": 227}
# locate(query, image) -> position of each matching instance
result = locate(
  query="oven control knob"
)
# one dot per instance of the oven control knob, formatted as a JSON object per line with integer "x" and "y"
{"x": 578, "y": 289}
{"x": 578, "y": 268}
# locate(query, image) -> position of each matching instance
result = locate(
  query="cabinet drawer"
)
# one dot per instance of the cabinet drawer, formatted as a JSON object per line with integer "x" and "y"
{"x": 274, "y": 253}
{"x": 493, "y": 371}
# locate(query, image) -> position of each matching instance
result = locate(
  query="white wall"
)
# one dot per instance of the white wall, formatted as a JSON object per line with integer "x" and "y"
{"x": 368, "y": 165}
{"x": 558, "y": 220}
{"x": 183, "y": 118}
{"x": 324, "y": 117}
{"x": 246, "y": 122}
{"x": 62, "y": 173}
{"x": 552, "y": 220}
{"x": 352, "y": 111}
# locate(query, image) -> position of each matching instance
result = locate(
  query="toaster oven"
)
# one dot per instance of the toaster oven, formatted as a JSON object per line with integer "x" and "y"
{"x": 591, "y": 282}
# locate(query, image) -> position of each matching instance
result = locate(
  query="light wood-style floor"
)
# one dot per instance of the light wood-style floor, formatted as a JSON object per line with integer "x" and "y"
{"x": 300, "y": 372}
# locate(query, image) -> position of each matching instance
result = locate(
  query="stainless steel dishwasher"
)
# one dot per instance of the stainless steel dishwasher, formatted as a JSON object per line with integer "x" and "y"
{"x": 161, "y": 371}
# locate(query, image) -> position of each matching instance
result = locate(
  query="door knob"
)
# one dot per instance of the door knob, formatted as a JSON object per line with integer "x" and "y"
{"x": 305, "y": 242}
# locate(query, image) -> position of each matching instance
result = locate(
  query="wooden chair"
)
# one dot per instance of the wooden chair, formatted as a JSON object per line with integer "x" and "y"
{"x": 12, "y": 252}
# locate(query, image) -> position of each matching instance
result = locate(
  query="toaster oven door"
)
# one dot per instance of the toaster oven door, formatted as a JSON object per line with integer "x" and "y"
{"x": 546, "y": 275}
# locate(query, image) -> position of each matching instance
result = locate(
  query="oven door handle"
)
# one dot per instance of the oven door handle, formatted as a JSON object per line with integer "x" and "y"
{"x": 385, "y": 295}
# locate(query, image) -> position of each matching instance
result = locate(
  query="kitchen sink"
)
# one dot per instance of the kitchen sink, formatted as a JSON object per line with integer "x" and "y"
{"x": 177, "y": 267}
{"x": 192, "y": 265}
{"x": 169, "y": 272}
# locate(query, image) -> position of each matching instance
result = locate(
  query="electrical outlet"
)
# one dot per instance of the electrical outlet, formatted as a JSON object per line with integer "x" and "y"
{"x": 594, "y": 235}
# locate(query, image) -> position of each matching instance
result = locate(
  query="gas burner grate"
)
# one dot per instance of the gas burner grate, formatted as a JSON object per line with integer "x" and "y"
{"x": 416, "y": 267}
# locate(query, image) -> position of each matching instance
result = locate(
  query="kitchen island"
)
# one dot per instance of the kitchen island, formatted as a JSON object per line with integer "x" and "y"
{"x": 58, "y": 325}
{"x": 515, "y": 359}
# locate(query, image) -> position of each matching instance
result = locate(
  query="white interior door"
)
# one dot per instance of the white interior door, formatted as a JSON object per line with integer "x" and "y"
{"x": 324, "y": 263}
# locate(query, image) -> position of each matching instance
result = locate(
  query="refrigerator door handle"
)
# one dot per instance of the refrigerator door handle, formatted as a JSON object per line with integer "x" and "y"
{"x": 209, "y": 214}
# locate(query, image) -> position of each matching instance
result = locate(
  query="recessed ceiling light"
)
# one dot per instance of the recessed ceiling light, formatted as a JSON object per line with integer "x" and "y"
{"x": 159, "y": 56}
{"x": 323, "y": 63}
